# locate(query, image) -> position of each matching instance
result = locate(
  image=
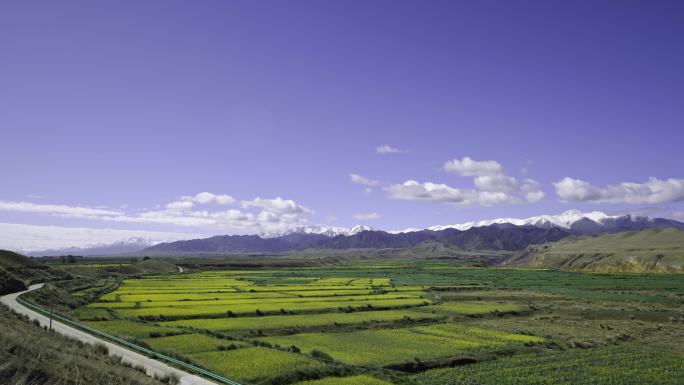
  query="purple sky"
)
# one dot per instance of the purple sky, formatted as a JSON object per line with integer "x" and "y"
{"x": 129, "y": 106}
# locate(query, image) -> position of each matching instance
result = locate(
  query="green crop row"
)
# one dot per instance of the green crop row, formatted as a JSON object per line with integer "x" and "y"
{"x": 255, "y": 364}
{"x": 299, "y": 321}
{"x": 126, "y": 328}
{"x": 352, "y": 380}
{"x": 118, "y": 296}
{"x": 192, "y": 343}
{"x": 466, "y": 308}
{"x": 113, "y": 297}
{"x": 390, "y": 346}
{"x": 241, "y": 301}
{"x": 262, "y": 308}
{"x": 614, "y": 365}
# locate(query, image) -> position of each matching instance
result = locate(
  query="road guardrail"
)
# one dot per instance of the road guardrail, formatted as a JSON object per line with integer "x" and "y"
{"x": 124, "y": 343}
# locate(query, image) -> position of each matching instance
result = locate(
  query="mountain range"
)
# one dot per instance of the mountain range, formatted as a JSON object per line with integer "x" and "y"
{"x": 503, "y": 234}
{"x": 506, "y": 234}
{"x": 575, "y": 221}
{"x": 330, "y": 231}
{"x": 123, "y": 246}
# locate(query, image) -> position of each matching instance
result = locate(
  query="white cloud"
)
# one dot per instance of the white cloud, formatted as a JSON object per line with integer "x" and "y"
{"x": 531, "y": 191}
{"x": 188, "y": 202}
{"x": 366, "y": 216}
{"x": 496, "y": 183}
{"x": 256, "y": 215}
{"x": 653, "y": 191}
{"x": 442, "y": 193}
{"x": 386, "y": 149}
{"x": 492, "y": 187}
{"x": 180, "y": 205}
{"x": 23, "y": 238}
{"x": 470, "y": 167}
{"x": 433, "y": 192}
{"x": 57, "y": 210}
{"x": 207, "y": 197}
{"x": 362, "y": 180}
{"x": 278, "y": 205}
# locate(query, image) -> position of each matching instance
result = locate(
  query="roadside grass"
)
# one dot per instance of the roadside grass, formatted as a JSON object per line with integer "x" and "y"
{"x": 92, "y": 314}
{"x": 31, "y": 355}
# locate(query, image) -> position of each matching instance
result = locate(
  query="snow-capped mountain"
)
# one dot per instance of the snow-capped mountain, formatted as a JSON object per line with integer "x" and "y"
{"x": 575, "y": 220}
{"x": 508, "y": 234}
{"x": 564, "y": 220}
{"x": 128, "y": 245}
{"x": 329, "y": 231}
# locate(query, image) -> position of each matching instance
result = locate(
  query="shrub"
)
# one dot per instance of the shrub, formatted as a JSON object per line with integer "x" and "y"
{"x": 101, "y": 349}
{"x": 321, "y": 355}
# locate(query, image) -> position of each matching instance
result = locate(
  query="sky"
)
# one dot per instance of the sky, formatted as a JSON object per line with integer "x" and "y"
{"x": 177, "y": 119}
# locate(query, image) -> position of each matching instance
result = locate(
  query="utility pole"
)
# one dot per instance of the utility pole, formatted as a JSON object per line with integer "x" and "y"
{"x": 51, "y": 302}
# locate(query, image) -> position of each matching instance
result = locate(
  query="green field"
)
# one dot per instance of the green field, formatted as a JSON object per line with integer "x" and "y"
{"x": 191, "y": 343}
{"x": 454, "y": 308}
{"x": 352, "y": 380}
{"x": 406, "y": 323}
{"x": 255, "y": 364}
{"x": 395, "y": 346}
{"x": 630, "y": 365}
{"x": 132, "y": 329}
{"x": 235, "y": 300}
{"x": 267, "y": 308}
{"x": 299, "y": 321}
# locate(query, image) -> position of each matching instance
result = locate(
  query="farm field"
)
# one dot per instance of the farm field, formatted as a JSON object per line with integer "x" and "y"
{"x": 256, "y": 364}
{"x": 191, "y": 343}
{"x": 299, "y": 321}
{"x": 628, "y": 365}
{"x": 411, "y": 323}
{"x": 352, "y": 380}
{"x": 396, "y": 346}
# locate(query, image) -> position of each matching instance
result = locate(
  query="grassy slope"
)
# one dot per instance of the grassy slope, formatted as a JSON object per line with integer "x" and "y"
{"x": 18, "y": 271}
{"x": 31, "y": 355}
{"x": 654, "y": 250}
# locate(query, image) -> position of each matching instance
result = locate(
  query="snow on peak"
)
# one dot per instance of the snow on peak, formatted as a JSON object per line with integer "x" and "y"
{"x": 564, "y": 220}
{"x": 329, "y": 231}
{"x": 359, "y": 228}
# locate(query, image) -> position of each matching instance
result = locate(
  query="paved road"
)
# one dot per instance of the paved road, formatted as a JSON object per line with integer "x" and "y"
{"x": 152, "y": 367}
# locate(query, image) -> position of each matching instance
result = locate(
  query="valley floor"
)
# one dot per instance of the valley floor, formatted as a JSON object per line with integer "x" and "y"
{"x": 405, "y": 323}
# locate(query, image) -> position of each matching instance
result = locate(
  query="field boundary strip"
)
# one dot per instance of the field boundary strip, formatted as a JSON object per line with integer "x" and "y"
{"x": 124, "y": 343}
